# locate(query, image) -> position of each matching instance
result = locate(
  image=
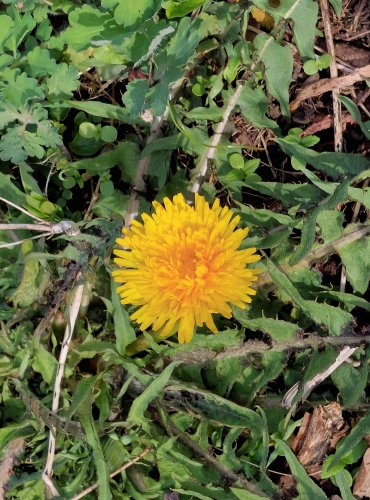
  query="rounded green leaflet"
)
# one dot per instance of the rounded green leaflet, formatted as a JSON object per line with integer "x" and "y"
{"x": 236, "y": 161}
{"x": 87, "y": 130}
{"x": 108, "y": 134}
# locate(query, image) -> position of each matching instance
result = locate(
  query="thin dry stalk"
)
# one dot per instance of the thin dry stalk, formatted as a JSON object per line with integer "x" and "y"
{"x": 309, "y": 386}
{"x": 73, "y": 313}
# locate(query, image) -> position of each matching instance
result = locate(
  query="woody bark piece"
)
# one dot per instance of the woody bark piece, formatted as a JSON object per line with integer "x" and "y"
{"x": 327, "y": 84}
{"x": 12, "y": 452}
{"x": 362, "y": 485}
{"x": 319, "y": 433}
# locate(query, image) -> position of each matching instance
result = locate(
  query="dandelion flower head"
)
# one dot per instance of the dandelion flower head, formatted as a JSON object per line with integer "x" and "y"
{"x": 182, "y": 264}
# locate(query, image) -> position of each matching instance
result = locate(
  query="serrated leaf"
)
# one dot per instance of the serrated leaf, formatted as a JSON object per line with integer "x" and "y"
{"x": 309, "y": 227}
{"x": 154, "y": 389}
{"x": 289, "y": 194}
{"x": 45, "y": 363}
{"x": 124, "y": 332}
{"x": 333, "y": 318}
{"x": 40, "y": 63}
{"x": 351, "y": 382}
{"x": 63, "y": 82}
{"x": 132, "y": 13}
{"x": 331, "y": 224}
{"x": 278, "y": 62}
{"x": 86, "y": 24}
{"x": 21, "y": 89}
{"x": 253, "y": 104}
{"x": 361, "y": 429}
{"x": 356, "y": 259}
{"x": 23, "y": 24}
{"x": 134, "y": 97}
{"x": 279, "y": 330}
{"x": 333, "y": 164}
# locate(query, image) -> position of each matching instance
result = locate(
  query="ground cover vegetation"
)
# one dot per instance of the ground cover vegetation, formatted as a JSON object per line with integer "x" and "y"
{"x": 258, "y": 110}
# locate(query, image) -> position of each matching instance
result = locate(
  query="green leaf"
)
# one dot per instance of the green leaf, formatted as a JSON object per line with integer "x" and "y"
{"x": 46, "y": 364}
{"x": 23, "y": 24}
{"x": 40, "y": 62}
{"x": 132, "y": 13}
{"x": 279, "y": 330}
{"x": 125, "y": 155}
{"x": 6, "y": 29}
{"x": 331, "y": 224}
{"x": 351, "y": 382}
{"x": 348, "y": 299}
{"x": 306, "y": 487}
{"x": 337, "y": 6}
{"x": 104, "y": 110}
{"x": 63, "y": 81}
{"x": 309, "y": 227}
{"x": 333, "y": 164}
{"x": 210, "y": 406}
{"x": 245, "y": 495}
{"x": 87, "y": 24}
{"x": 303, "y": 13}
{"x": 134, "y": 97}
{"x": 180, "y": 8}
{"x": 236, "y": 160}
{"x": 9, "y": 191}
{"x": 92, "y": 437}
{"x": 343, "y": 480}
{"x": 278, "y": 62}
{"x": 288, "y": 194}
{"x": 333, "y": 318}
{"x": 356, "y": 259}
{"x": 310, "y": 67}
{"x": 254, "y": 105}
{"x": 20, "y": 90}
{"x": 87, "y": 130}
{"x": 361, "y": 429}
{"x": 154, "y": 390}
{"x": 108, "y": 134}
{"x": 356, "y": 115}
{"x": 124, "y": 332}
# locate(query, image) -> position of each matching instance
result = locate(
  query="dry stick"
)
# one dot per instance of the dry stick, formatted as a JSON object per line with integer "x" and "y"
{"x": 121, "y": 469}
{"x": 204, "y": 355}
{"x": 21, "y": 209}
{"x": 73, "y": 312}
{"x": 211, "y": 151}
{"x": 309, "y": 386}
{"x": 337, "y": 109}
{"x": 224, "y": 472}
{"x": 220, "y": 127}
{"x": 328, "y": 84}
{"x": 338, "y": 131}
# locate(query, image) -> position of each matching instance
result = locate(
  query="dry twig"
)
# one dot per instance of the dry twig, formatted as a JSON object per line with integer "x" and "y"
{"x": 328, "y": 84}
{"x": 73, "y": 313}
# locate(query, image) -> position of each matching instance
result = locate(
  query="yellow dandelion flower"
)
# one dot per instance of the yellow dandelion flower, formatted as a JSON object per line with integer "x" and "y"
{"x": 182, "y": 264}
